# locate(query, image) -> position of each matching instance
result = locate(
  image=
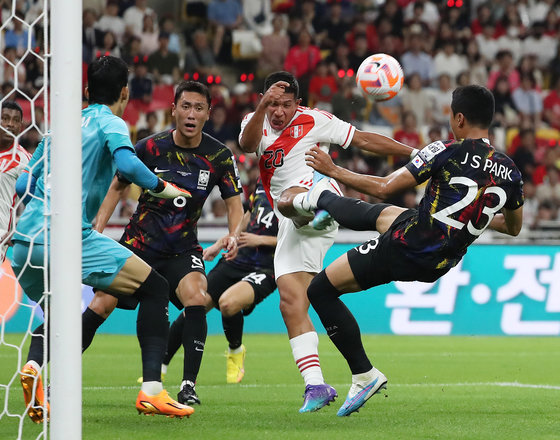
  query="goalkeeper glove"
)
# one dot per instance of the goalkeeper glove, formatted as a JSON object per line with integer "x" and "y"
{"x": 167, "y": 190}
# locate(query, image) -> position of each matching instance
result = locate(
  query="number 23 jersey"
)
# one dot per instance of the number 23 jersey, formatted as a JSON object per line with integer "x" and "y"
{"x": 470, "y": 183}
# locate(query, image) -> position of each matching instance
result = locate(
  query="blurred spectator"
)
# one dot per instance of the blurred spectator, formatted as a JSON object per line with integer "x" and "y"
{"x": 275, "y": 47}
{"x": 539, "y": 9}
{"x": 543, "y": 46}
{"x": 109, "y": 46}
{"x": 442, "y": 100}
{"x": 7, "y": 70}
{"x": 134, "y": 17}
{"x": 163, "y": 64}
{"x": 168, "y": 26}
{"x": 224, "y": 16}
{"x": 309, "y": 18}
{"x": 549, "y": 189}
{"x": 217, "y": 126}
{"x": 150, "y": 128}
{"x": 301, "y": 61}
{"x": 258, "y": 16}
{"x": 131, "y": 50}
{"x": 199, "y": 57}
{"x": 333, "y": 28}
{"x": 243, "y": 101}
{"x": 110, "y": 21}
{"x": 505, "y": 112}
{"x": 458, "y": 20}
{"x": 429, "y": 12}
{"x": 530, "y": 205}
{"x": 17, "y": 36}
{"x": 434, "y": 133}
{"x": 98, "y": 6}
{"x": 547, "y": 212}
{"x": 551, "y": 24}
{"x": 528, "y": 101}
{"x": 295, "y": 26}
{"x": 149, "y": 35}
{"x": 483, "y": 16}
{"x": 524, "y": 155}
{"x": 348, "y": 103}
{"x": 339, "y": 58}
{"x": 487, "y": 43}
{"x": 449, "y": 61}
{"x": 551, "y": 106}
{"x": 363, "y": 28}
{"x": 416, "y": 60}
{"x": 408, "y": 132}
{"x": 504, "y": 69}
{"x": 391, "y": 12}
{"x": 463, "y": 79}
{"x": 511, "y": 22}
{"x": 477, "y": 64}
{"x": 359, "y": 53}
{"x": 528, "y": 64}
{"x": 554, "y": 67}
{"x": 91, "y": 36}
{"x": 417, "y": 99}
{"x": 322, "y": 87}
{"x": 141, "y": 83}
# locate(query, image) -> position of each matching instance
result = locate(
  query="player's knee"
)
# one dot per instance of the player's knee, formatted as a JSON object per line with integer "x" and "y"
{"x": 103, "y": 304}
{"x": 155, "y": 285}
{"x": 229, "y": 306}
{"x": 321, "y": 288}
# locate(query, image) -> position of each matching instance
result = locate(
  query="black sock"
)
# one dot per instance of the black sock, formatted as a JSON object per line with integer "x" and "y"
{"x": 233, "y": 329}
{"x": 175, "y": 338}
{"x": 339, "y": 322}
{"x": 194, "y": 338}
{"x": 152, "y": 324}
{"x": 90, "y": 323}
{"x": 36, "y": 347}
{"x": 351, "y": 213}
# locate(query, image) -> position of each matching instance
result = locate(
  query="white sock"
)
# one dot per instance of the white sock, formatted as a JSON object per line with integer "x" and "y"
{"x": 306, "y": 355}
{"x": 35, "y": 365}
{"x": 236, "y": 350}
{"x": 297, "y": 203}
{"x": 152, "y": 388}
{"x": 164, "y": 369}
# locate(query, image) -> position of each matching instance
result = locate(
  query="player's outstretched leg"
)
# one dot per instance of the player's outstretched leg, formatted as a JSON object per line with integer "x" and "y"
{"x": 33, "y": 393}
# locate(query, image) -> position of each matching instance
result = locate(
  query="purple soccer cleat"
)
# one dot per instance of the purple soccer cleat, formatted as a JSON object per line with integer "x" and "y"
{"x": 317, "y": 396}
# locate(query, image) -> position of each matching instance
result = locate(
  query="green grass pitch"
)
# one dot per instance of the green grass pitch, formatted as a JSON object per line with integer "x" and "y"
{"x": 439, "y": 388}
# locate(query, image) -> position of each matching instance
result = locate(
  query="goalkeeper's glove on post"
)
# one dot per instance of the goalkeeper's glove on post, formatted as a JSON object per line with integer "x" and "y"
{"x": 167, "y": 190}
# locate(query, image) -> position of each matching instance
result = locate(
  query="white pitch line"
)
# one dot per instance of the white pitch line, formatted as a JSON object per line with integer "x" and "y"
{"x": 400, "y": 385}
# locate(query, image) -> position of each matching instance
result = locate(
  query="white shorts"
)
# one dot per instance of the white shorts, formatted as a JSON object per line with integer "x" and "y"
{"x": 303, "y": 249}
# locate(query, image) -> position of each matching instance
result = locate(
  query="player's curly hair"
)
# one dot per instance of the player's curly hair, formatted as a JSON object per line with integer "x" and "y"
{"x": 106, "y": 78}
{"x": 283, "y": 76}
{"x": 476, "y": 103}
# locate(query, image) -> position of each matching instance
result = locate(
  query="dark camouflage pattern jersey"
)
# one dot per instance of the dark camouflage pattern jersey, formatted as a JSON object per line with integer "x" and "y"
{"x": 262, "y": 222}
{"x": 469, "y": 183}
{"x": 167, "y": 227}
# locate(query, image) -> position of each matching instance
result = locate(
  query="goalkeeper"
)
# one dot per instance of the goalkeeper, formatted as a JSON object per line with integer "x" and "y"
{"x": 107, "y": 265}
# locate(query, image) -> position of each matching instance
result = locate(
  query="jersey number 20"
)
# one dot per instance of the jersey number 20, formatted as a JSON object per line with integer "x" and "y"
{"x": 444, "y": 215}
{"x": 273, "y": 158}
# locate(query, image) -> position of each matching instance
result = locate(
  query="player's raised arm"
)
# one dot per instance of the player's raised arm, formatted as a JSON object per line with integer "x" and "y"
{"x": 380, "y": 144}
{"x": 508, "y": 222}
{"x": 136, "y": 172}
{"x": 381, "y": 187}
{"x": 251, "y": 132}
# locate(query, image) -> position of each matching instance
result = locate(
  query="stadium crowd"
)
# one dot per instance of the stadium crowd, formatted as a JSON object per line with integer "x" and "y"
{"x": 511, "y": 47}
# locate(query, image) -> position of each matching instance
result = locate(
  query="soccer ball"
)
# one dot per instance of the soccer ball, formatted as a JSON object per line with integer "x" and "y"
{"x": 380, "y": 77}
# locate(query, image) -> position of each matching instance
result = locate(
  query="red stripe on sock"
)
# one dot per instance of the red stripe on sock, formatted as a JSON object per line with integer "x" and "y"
{"x": 306, "y": 358}
{"x": 314, "y": 364}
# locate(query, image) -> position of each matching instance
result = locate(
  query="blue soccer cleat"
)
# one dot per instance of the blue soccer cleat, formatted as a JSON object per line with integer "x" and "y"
{"x": 360, "y": 392}
{"x": 322, "y": 220}
{"x": 317, "y": 396}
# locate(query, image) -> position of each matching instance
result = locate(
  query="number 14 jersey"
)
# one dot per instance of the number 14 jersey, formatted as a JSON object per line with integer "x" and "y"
{"x": 469, "y": 183}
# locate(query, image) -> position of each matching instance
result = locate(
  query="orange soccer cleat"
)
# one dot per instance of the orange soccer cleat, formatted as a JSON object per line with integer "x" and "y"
{"x": 161, "y": 404}
{"x": 33, "y": 393}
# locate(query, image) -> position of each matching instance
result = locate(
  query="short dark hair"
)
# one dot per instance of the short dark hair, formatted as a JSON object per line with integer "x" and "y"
{"x": 195, "y": 87}
{"x": 476, "y": 103}
{"x": 283, "y": 76}
{"x": 106, "y": 78}
{"x": 12, "y": 105}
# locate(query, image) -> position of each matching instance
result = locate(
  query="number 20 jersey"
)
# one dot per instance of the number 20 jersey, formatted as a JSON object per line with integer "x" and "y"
{"x": 469, "y": 183}
{"x": 282, "y": 152}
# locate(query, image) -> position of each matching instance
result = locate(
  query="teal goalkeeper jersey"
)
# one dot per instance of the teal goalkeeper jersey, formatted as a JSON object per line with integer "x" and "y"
{"x": 102, "y": 134}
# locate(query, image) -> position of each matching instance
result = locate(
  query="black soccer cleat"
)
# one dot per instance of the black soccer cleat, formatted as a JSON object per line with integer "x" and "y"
{"x": 187, "y": 395}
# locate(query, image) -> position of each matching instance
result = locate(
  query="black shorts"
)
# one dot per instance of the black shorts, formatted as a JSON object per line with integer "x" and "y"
{"x": 224, "y": 275}
{"x": 379, "y": 261}
{"x": 173, "y": 269}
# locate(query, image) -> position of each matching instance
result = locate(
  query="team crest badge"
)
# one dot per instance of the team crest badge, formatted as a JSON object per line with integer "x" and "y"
{"x": 203, "y": 179}
{"x": 296, "y": 131}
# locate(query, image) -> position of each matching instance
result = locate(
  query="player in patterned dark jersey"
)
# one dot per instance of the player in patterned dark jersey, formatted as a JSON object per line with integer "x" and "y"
{"x": 164, "y": 233}
{"x": 472, "y": 187}
{"x": 237, "y": 285}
